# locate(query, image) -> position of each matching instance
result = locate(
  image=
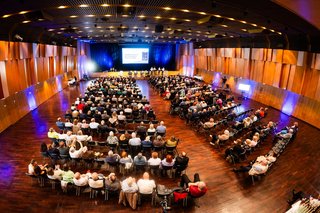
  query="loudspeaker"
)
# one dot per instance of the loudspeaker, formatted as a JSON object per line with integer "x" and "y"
{"x": 158, "y": 28}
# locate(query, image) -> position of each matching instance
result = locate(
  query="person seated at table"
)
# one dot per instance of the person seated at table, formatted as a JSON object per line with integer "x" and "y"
{"x": 54, "y": 174}
{"x": 172, "y": 142}
{"x": 181, "y": 163}
{"x": 145, "y": 185}
{"x": 197, "y": 188}
{"x": 112, "y": 158}
{"x": 112, "y": 183}
{"x": 209, "y": 124}
{"x": 52, "y": 134}
{"x": 158, "y": 142}
{"x": 140, "y": 160}
{"x": 74, "y": 153}
{"x": 35, "y": 169}
{"x": 129, "y": 189}
{"x": 96, "y": 181}
{"x": 83, "y": 138}
{"x": 134, "y": 141}
{"x": 154, "y": 160}
{"x": 80, "y": 179}
{"x": 112, "y": 139}
{"x": 146, "y": 143}
{"x": 151, "y": 129}
{"x": 67, "y": 176}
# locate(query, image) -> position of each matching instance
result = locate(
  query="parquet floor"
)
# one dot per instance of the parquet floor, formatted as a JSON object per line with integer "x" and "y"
{"x": 296, "y": 168}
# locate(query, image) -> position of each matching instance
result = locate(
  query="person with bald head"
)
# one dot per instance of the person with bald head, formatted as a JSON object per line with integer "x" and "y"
{"x": 95, "y": 181}
{"x": 197, "y": 188}
{"x": 80, "y": 179}
{"x": 145, "y": 185}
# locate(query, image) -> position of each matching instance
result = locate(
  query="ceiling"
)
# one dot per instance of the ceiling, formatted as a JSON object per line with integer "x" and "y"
{"x": 63, "y": 22}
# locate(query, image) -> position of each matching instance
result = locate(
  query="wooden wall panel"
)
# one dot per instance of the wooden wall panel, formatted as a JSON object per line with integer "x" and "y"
{"x": 290, "y": 57}
{"x": 4, "y": 50}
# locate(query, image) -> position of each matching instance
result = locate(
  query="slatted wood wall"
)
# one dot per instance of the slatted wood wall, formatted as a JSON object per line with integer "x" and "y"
{"x": 29, "y": 75}
{"x": 277, "y": 74}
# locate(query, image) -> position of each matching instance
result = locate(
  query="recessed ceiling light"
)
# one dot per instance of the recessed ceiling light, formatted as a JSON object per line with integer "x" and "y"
{"x": 6, "y": 16}
{"x": 244, "y": 30}
{"x": 111, "y": 27}
{"x": 188, "y": 20}
{"x": 40, "y": 19}
{"x": 124, "y": 15}
{"x": 272, "y": 30}
{"x": 104, "y": 5}
{"x": 173, "y": 18}
{"x": 232, "y": 19}
{"x": 157, "y": 17}
{"x": 91, "y": 15}
{"x": 142, "y": 16}
{"x": 126, "y": 5}
{"x": 202, "y": 13}
{"x": 231, "y": 36}
{"x": 254, "y": 25}
{"x": 264, "y": 28}
{"x": 27, "y": 21}
{"x": 186, "y": 11}
{"x": 223, "y": 25}
{"x": 83, "y": 5}
{"x": 218, "y": 16}
{"x": 167, "y": 8}
{"x": 62, "y": 28}
{"x": 23, "y": 12}
{"x": 108, "y": 15}
{"x": 50, "y": 29}
{"x": 244, "y": 22}
{"x": 86, "y": 27}
{"x": 62, "y": 7}
{"x": 73, "y": 16}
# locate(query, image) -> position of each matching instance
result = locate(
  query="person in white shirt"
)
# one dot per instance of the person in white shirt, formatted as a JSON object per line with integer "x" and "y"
{"x": 80, "y": 180}
{"x": 145, "y": 185}
{"x": 154, "y": 160}
{"x": 95, "y": 181}
{"x": 121, "y": 116}
{"x": 77, "y": 153}
{"x": 68, "y": 124}
{"x": 93, "y": 124}
{"x": 129, "y": 185}
{"x": 55, "y": 174}
{"x": 128, "y": 109}
{"x": 259, "y": 168}
{"x": 134, "y": 141}
{"x": 254, "y": 141}
{"x": 151, "y": 129}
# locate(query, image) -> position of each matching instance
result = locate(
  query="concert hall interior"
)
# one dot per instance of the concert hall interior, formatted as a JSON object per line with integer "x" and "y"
{"x": 160, "y": 106}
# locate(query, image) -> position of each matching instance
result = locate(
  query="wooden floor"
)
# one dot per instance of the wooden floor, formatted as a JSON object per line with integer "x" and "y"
{"x": 297, "y": 167}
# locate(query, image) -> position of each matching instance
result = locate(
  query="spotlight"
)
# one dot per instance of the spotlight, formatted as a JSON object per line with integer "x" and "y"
{"x": 90, "y": 66}
{"x": 18, "y": 37}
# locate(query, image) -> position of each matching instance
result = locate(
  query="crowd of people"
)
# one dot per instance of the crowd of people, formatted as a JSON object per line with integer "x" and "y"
{"x": 108, "y": 106}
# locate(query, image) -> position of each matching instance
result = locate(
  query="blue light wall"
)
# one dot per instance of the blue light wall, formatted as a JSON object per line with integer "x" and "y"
{"x": 109, "y": 56}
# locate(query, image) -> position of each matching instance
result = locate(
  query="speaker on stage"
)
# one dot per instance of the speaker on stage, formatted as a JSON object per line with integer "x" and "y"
{"x": 158, "y": 28}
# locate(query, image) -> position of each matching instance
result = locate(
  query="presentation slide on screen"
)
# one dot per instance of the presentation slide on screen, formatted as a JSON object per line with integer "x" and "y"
{"x": 135, "y": 55}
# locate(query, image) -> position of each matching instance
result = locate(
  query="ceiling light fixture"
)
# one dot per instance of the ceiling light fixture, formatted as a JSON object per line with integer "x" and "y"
{"x": 62, "y": 7}
{"x": 83, "y": 5}
{"x": 108, "y": 15}
{"x": 231, "y": 19}
{"x": 244, "y": 22}
{"x": 6, "y": 16}
{"x": 23, "y": 12}
{"x": 158, "y": 17}
{"x": 202, "y": 13}
{"x": 223, "y": 25}
{"x": 245, "y": 30}
{"x": 167, "y": 8}
{"x": 104, "y": 5}
{"x": 73, "y": 16}
{"x": 173, "y": 18}
{"x": 254, "y": 25}
{"x": 126, "y": 5}
{"x": 186, "y": 11}
{"x": 27, "y": 21}
{"x": 188, "y": 20}
{"x": 91, "y": 15}
{"x": 218, "y": 16}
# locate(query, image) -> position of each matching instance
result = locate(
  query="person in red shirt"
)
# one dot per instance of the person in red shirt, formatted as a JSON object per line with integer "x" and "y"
{"x": 197, "y": 188}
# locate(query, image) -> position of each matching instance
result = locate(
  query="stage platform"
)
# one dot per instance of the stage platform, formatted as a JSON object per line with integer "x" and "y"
{"x": 136, "y": 74}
